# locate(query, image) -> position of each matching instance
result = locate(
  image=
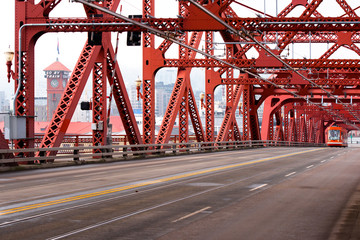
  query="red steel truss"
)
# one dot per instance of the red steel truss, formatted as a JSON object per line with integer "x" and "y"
{"x": 299, "y": 99}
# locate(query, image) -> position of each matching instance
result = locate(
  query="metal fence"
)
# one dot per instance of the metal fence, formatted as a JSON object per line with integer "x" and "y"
{"x": 91, "y": 153}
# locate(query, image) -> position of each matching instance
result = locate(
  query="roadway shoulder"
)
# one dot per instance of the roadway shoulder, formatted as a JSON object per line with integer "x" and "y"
{"x": 348, "y": 225}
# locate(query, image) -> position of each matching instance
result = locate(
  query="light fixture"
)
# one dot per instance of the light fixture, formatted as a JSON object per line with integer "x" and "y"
{"x": 138, "y": 85}
{"x": 202, "y": 96}
{"x": 9, "y": 56}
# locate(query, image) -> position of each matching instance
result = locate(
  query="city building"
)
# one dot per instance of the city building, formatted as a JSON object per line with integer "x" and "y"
{"x": 41, "y": 109}
{"x": 4, "y": 105}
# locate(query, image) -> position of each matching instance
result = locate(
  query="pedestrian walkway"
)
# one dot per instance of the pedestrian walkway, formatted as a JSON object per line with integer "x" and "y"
{"x": 348, "y": 226}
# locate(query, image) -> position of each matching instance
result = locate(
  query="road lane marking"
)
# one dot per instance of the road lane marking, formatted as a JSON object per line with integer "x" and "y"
{"x": 258, "y": 187}
{"x": 144, "y": 184}
{"x": 191, "y": 214}
{"x": 310, "y": 166}
{"x": 288, "y": 175}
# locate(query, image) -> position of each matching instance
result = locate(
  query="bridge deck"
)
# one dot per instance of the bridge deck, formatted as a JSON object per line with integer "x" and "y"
{"x": 269, "y": 193}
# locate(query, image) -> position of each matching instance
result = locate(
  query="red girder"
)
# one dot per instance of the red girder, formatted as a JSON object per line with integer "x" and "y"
{"x": 122, "y": 99}
{"x": 345, "y": 65}
{"x": 99, "y": 102}
{"x": 194, "y": 116}
{"x": 326, "y": 28}
{"x": 302, "y": 122}
{"x": 62, "y": 117}
{"x": 315, "y": 37}
{"x": 251, "y": 129}
{"x": 182, "y": 101}
{"x": 295, "y": 24}
{"x": 48, "y": 5}
{"x": 102, "y": 68}
{"x": 184, "y": 119}
{"x": 309, "y": 10}
{"x": 285, "y": 81}
{"x": 173, "y": 108}
{"x": 346, "y": 7}
{"x": 229, "y": 128}
{"x": 229, "y": 121}
{"x": 148, "y": 44}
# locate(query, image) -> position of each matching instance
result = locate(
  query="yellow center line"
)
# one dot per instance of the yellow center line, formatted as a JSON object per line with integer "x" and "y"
{"x": 147, "y": 183}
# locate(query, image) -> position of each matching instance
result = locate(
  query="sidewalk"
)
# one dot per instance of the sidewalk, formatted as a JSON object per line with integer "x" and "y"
{"x": 348, "y": 226}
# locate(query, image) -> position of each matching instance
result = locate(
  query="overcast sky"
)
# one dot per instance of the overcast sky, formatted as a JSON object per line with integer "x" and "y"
{"x": 129, "y": 57}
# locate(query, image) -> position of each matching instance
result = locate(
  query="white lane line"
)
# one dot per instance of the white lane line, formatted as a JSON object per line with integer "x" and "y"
{"x": 310, "y": 166}
{"x": 191, "y": 214}
{"x": 256, "y": 188}
{"x": 323, "y": 161}
{"x": 288, "y": 175}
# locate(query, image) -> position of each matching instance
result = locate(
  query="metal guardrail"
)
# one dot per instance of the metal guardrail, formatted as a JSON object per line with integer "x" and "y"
{"x": 84, "y": 153}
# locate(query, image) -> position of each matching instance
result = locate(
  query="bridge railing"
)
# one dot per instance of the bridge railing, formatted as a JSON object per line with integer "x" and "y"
{"x": 118, "y": 152}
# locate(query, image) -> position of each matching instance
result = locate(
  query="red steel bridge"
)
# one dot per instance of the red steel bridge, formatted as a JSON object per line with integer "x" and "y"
{"x": 301, "y": 98}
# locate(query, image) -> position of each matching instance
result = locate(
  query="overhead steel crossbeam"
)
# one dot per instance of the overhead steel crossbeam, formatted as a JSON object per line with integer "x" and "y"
{"x": 176, "y": 24}
{"x": 247, "y": 36}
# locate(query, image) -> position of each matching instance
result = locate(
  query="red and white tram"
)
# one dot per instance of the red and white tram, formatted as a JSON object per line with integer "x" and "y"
{"x": 336, "y": 137}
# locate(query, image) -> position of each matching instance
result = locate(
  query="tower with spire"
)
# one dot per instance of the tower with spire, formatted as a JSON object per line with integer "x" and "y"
{"x": 56, "y": 76}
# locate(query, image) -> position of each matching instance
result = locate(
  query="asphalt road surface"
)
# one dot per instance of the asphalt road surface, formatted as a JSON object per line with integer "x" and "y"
{"x": 268, "y": 193}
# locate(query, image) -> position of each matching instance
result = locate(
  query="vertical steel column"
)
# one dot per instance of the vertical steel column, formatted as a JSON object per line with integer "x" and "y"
{"x": 321, "y": 131}
{"x": 209, "y": 92}
{"x": 24, "y": 103}
{"x": 229, "y": 91}
{"x": 229, "y": 75}
{"x": 251, "y": 129}
{"x": 148, "y": 78}
{"x": 246, "y": 110}
{"x": 184, "y": 105}
{"x": 302, "y": 128}
{"x": 184, "y": 119}
{"x": 99, "y": 102}
{"x": 286, "y": 121}
{"x": 292, "y": 126}
{"x": 279, "y": 132}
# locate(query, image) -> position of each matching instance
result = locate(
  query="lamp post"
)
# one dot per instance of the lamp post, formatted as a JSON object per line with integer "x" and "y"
{"x": 138, "y": 85}
{"x": 202, "y": 96}
{"x": 9, "y": 56}
{"x": 240, "y": 108}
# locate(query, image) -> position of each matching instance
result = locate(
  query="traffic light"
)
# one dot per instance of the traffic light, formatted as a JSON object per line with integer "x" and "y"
{"x": 134, "y": 38}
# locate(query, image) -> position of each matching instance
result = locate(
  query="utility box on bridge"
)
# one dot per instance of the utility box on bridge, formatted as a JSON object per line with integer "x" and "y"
{"x": 15, "y": 127}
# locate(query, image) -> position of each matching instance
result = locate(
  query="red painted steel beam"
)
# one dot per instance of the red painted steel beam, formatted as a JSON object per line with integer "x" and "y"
{"x": 338, "y": 76}
{"x": 121, "y": 98}
{"x": 99, "y": 98}
{"x": 69, "y": 101}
